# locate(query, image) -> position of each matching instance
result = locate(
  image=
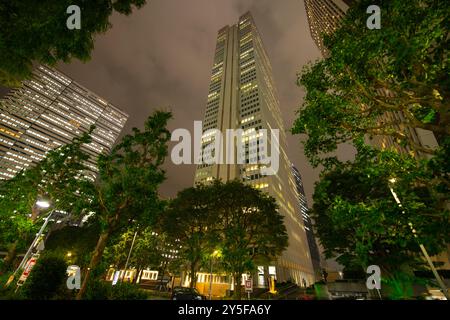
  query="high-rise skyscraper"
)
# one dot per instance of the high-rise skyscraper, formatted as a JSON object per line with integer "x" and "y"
{"x": 48, "y": 111}
{"x": 313, "y": 249}
{"x": 324, "y": 17}
{"x": 242, "y": 95}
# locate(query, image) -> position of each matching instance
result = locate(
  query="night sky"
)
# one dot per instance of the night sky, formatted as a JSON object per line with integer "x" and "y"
{"x": 160, "y": 57}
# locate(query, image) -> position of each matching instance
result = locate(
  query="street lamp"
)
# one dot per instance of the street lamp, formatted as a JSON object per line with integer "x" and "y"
{"x": 129, "y": 253}
{"x": 215, "y": 254}
{"x": 42, "y": 203}
{"x": 422, "y": 248}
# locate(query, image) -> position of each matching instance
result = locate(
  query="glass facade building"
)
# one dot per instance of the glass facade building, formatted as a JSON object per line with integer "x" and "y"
{"x": 323, "y": 18}
{"x": 48, "y": 111}
{"x": 242, "y": 96}
{"x": 303, "y": 203}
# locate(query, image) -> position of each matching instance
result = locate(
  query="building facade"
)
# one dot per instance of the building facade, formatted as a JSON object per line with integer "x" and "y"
{"x": 324, "y": 17}
{"x": 303, "y": 203}
{"x": 242, "y": 95}
{"x": 48, "y": 111}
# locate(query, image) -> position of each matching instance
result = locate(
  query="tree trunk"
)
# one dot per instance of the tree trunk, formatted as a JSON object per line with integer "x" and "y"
{"x": 193, "y": 276}
{"x": 34, "y": 213}
{"x": 237, "y": 286}
{"x": 9, "y": 259}
{"x": 98, "y": 252}
{"x": 266, "y": 277}
{"x": 162, "y": 275}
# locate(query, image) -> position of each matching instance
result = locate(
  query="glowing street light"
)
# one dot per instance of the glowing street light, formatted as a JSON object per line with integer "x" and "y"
{"x": 43, "y": 204}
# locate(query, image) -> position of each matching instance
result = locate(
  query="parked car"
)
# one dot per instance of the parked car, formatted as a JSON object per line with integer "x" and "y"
{"x": 182, "y": 293}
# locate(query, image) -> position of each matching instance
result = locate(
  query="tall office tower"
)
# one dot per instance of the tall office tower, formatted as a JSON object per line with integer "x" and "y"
{"x": 242, "y": 95}
{"x": 48, "y": 111}
{"x": 323, "y": 18}
{"x": 313, "y": 249}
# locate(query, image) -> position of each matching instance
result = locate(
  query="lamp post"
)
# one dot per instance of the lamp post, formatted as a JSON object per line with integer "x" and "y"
{"x": 216, "y": 253}
{"x": 42, "y": 204}
{"x": 422, "y": 248}
{"x": 129, "y": 254}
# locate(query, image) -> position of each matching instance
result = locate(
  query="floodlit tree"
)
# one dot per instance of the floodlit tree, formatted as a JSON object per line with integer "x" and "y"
{"x": 36, "y": 32}
{"x": 358, "y": 220}
{"x": 379, "y": 82}
{"x": 191, "y": 221}
{"x": 232, "y": 218}
{"x": 251, "y": 228}
{"x": 126, "y": 189}
{"x": 150, "y": 250}
{"x": 58, "y": 178}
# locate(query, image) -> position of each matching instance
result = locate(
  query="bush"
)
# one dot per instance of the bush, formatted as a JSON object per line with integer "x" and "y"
{"x": 47, "y": 279}
{"x": 102, "y": 290}
{"x": 128, "y": 291}
{"x": 7, "y": 293}
{"x": 98, "y": 290}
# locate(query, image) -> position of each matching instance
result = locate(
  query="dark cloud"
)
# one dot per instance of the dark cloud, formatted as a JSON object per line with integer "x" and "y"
{"x": 161, "y": 57}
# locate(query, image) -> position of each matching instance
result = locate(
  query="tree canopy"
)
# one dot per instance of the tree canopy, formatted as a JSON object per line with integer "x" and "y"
{"x": 59, "y": 178}
{"x": 230, "y": 219}
{"x": 126, "y": 189}
{"x": 36, "y": 32}
{"x": 191, "y": 221}
{"x": 358, "y": 220}
{"x": 379, "y": 82}
{"x": 388, "y": 83}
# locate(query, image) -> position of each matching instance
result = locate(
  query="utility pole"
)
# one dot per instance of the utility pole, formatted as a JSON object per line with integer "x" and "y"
{"x": 129, "y": 254}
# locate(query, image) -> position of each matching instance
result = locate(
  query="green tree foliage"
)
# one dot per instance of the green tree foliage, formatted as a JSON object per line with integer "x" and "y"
{"x": 151, "y": 249}
{"x": 156, "y": 250}
{"x": 36, "y": 32}
{"x": 190, "y": 220}
{"x": 79, "y": 241}
{"x": 379, "y": 82}
{"x": 48, "y": 279}
{"x": 240, "y": 222}
{"x": 358, "y": 220}
{"x": 116, "y": 254}
{"x": 57, "y": 178}
{"x": 251, "y": 228}
{"x": 126, "y": 189}
{"x": 101, "y": 290}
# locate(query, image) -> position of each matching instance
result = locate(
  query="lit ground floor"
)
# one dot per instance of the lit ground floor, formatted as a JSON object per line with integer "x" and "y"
{"x": 220, "y": 284}
{"x": 265, "y": 278}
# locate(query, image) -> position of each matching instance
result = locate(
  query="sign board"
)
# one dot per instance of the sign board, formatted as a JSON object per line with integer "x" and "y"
{"x": 249, "y": 285}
